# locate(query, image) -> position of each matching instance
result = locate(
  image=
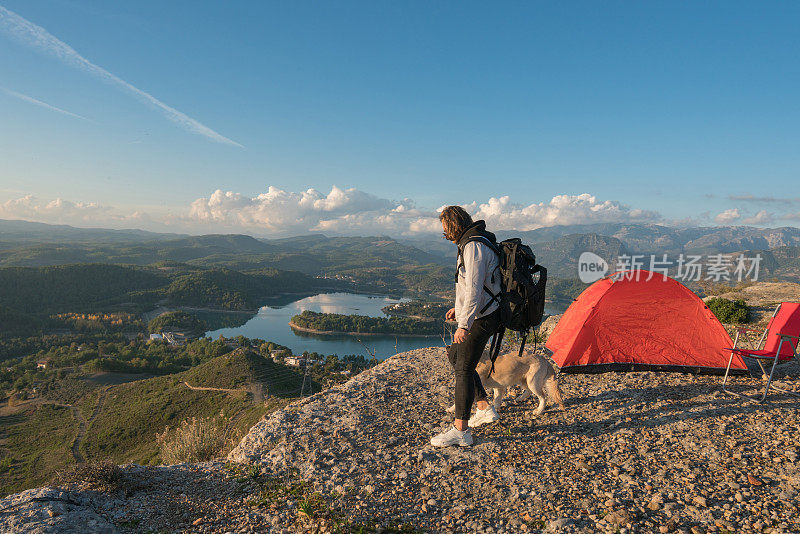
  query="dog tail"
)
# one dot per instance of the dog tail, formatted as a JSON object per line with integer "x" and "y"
{"x": 554, "y": 391}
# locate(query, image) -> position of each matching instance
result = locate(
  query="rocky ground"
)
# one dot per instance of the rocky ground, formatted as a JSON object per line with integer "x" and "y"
{"x": 634, "y": 452}
{"x": 767, "y": 294}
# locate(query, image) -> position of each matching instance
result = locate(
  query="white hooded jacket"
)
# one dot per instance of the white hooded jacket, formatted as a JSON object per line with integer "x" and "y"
{"x": 476, "y": 267}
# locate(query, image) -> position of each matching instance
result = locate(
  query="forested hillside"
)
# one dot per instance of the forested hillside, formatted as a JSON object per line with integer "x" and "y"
{"x": 369, "y": 264}
{"x": 33, "y": 296}
{"x": 72, "y": 287}
{"x": 232, "y": 290}
{"x": 134, "y": 253}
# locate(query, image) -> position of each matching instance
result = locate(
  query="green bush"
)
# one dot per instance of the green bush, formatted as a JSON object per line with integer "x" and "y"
{"x": 729, "y": 311}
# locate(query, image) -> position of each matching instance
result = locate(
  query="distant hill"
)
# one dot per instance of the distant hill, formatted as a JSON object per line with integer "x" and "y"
{"x": 124, "y": 429}
{"x": 639, "y": 237}
{"x": 184, "y": 249}
{"x": 14, "y": 232}
{"x": 781, "y": 263}
{"x": 72, "y": 287}
{"x": 561, "y": 256}
{"x": 205, "y": 245}
{"x": 435, "y": 245}
{"x": 358, "y": 249}
{"x": 383, "y": 264}
{"x": 122, "y": 420}
{"x": 371, "y": 264}
{"x": 788, "y": 261}
{"x": 228, "y": 289}
{"x": 310, "y": 254}
{"x": 654, "y": 238}
{"x": 31, "y": 295}
{"x": 735, "y": 238}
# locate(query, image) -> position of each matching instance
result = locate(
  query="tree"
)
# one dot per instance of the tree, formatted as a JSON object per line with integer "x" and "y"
{"x": 331, "y": 363}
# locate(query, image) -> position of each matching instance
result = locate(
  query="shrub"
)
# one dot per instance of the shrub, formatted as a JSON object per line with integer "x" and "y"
{"x": 97, "y": 474}
{"x": 195, "y": 440}
{"x": 5, "y": 464}
{"x": 14, "y": 399}
{"x": 729, "y": 311}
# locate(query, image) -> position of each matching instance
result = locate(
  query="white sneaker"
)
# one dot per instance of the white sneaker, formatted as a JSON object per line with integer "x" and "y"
{"x": 453, "y": 436}
{"x": 489, "y": 415}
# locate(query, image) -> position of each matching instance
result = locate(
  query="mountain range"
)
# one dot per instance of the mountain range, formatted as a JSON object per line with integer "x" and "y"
{"x": 36, "y": 244}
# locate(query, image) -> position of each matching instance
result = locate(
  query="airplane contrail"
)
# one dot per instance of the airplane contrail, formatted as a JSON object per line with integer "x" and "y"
{"x": 40, "y": 39}
{"x": 45, "y": 105}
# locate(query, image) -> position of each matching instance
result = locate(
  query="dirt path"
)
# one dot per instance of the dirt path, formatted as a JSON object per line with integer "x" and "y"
{"x": 84, "y": 424}
{"x": 76, "y": 445}
{"x": 77, "y": 415}
{"x": 198, "y": 388}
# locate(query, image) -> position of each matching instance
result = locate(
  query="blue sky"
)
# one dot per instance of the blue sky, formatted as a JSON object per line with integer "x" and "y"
{"x": 575, "y": 111}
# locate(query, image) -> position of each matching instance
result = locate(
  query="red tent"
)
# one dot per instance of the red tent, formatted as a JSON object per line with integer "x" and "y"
{"x": 627, "y": 322}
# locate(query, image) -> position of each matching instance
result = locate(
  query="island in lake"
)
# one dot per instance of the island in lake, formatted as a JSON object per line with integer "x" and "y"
{"x": 418, "y": 309}
{"x": 334, "y": 323}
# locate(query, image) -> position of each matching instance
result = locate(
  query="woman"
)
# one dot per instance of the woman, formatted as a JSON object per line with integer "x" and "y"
{"x": 477, "y": 314}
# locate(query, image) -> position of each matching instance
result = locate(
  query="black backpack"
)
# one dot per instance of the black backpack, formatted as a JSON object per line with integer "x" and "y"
{"x": 522, "y": 289}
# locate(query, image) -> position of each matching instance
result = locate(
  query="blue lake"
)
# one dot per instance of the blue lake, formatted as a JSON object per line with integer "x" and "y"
{"x": 271, "y": 323}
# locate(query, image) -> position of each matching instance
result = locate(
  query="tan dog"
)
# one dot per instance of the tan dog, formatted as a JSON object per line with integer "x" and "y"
{"x": 531, "y": 372}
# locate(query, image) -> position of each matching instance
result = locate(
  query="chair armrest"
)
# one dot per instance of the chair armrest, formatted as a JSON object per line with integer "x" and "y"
{"x": 787, "y": 335}
{"x": 748, "y": 329}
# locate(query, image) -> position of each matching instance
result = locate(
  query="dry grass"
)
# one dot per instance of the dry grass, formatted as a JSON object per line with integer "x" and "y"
{"x": 718, "y": 288}
{"x": 195, "y": 440}
{"x": 765, "y": 294}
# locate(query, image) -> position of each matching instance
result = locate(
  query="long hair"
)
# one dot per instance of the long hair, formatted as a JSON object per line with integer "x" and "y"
{"x": 455, "y": 220}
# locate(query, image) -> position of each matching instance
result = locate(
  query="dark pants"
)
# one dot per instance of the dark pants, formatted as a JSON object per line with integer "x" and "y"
{"x": 464, "y": 357}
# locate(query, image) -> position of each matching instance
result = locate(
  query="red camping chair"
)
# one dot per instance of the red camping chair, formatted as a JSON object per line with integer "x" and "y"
{"x": 779, "y": 342}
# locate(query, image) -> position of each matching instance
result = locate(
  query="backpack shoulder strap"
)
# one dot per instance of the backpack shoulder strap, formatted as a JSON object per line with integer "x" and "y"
{"x": 479, "y": 238}
{"x": 494, "y": 349}
{"x": 482, "y": 239}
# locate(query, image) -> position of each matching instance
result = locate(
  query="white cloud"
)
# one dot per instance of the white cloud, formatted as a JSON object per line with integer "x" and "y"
{"x": 284, "y": 212}
{"x": 60, "y": 211}
{"x": 762, "y": 217}
{"x": 728, "y": 216}
{"x": 733, "y": 215}
{"x": 352, "y": 211}
{"x": 40, "y": 39}
{"x": 502, "y": 214}
{"x": 339, "y": 212}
